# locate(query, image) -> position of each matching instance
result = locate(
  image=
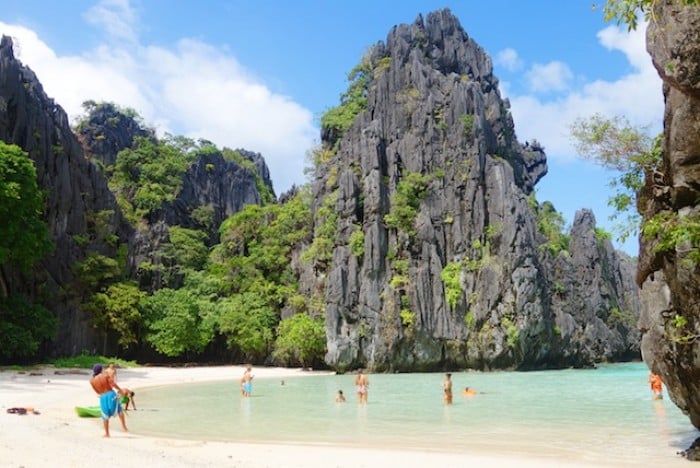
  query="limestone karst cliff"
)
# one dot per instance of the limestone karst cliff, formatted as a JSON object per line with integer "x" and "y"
{"x": 86, "y": 223}
{"x": 76, "y": 195}
{"x": 670, "y": 259}
{"x": 453, "y": 269}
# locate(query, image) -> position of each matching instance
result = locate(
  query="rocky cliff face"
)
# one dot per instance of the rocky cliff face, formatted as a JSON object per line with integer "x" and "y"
{"x": 82, "y": 213}
{"x": 222, "y": 185}
{"x": 460, "y": 277}
{"x": 594, "y": 297}
{"x": 671, "y": 342}
{"x": 211, "y": 181}
{"x": 76, "y": 193}
{"x": 106, "y": 131}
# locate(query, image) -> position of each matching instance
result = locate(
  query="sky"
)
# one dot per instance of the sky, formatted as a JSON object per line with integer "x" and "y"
{"x": 258, "y": 74}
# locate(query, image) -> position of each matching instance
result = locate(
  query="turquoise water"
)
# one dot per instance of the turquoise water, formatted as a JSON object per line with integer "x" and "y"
{"x": 601, "y": 415}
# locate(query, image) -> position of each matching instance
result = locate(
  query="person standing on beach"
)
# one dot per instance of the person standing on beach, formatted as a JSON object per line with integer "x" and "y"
{"x": 247, "y": 381}
{"x": 104, "y": 384}
{"x": 447, "y": 389}
{"x": 361, "y": 386}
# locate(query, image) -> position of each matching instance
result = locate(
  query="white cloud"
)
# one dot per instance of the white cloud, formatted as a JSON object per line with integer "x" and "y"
{"x": 116, "y": 17}
{"x": 637, "y": 96}
{"x": 191, "y": 88}
{"x": 508, "y": 59}
{"x": 553, "y": 76}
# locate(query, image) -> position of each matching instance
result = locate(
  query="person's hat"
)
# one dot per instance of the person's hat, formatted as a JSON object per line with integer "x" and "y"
{"x": 96, "y": 369}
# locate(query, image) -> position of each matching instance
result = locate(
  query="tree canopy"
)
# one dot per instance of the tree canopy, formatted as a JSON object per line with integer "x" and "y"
{"x": 24, "y": 236}
{"x": 617, "y": 145}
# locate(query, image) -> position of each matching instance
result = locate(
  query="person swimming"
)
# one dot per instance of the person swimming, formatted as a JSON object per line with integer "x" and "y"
{"x": 468, "y": 392}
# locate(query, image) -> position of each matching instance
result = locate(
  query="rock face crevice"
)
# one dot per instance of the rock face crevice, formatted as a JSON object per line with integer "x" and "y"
{"x": 434, "y": 115}
{"x": 671, "y": 322}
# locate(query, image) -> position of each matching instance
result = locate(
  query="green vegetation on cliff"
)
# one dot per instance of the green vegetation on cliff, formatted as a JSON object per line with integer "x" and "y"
{"x": 617, "y": 145}
{"x": 24, "y": 240}
{"x": 627, "y": 11}
{"x": 24, "y": 236}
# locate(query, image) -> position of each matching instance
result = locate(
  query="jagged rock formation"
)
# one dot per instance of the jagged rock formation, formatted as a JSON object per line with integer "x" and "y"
{"x": 465, "y": 281}
{"x": 76, "y": 192}
{"x": 594, "y": 297}
{"x": 212, "y": 181}
{"x": 672, "y": 324}
{"x": 224, "y": 185}
{"x": 81, "y": 211}
{"x": 106, "y": 131}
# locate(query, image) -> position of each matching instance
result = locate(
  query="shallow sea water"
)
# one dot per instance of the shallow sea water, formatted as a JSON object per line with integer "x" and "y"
{"x": 602, "y": 415}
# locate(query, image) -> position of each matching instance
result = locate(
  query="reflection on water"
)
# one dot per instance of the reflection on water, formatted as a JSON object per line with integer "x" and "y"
{"x": 604, "y": 415}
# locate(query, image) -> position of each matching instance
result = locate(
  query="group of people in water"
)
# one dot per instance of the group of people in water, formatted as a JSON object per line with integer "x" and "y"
{"x": 361, "y": 383}
{"x": 362, "y": 387}
{"x": 447, "y": 390}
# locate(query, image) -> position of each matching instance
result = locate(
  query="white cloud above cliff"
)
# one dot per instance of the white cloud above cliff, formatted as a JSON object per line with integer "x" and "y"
{"x": 191, "y": 88}
{"x": 117, "y": 17}
{"x": 636, "y": 95}
{"x": 509, "y": 59}
{"x": 552, "y": 76}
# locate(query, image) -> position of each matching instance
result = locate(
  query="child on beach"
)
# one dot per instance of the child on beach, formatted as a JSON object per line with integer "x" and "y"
{"x": 127, "y": 399}
{"x": 340, "y": 398}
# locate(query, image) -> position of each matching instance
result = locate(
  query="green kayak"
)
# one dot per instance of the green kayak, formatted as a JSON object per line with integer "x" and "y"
{"x": 88, "y": 411}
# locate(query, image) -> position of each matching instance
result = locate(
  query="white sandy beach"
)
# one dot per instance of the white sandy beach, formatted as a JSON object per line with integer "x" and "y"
{"x": 56, "y": 437}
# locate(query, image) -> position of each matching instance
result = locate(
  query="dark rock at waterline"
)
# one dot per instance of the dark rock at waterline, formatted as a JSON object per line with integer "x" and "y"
{"x": 692, "y": 453}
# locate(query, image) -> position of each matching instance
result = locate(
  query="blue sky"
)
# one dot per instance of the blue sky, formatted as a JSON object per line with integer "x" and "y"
{"x": 258, "y": 74}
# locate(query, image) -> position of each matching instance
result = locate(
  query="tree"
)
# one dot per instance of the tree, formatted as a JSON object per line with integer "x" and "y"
{"x": 300, "y": 339}
{"x": 116, "y": 309}
{"x": 627, "y": 11}
{"x": 551, "y": 224}
{"x": 337, "y": 120}
{"x": 176, "y": 323}
{"x": 24, "y": 237}
{"x": 247, "y": 321}
{"x": 23, "y": 327}
{"x": 615, "y": 144}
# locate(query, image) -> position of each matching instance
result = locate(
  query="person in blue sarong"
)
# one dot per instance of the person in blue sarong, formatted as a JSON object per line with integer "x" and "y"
{"x": 106, "y": 387}
{"x": 247, "y": 382}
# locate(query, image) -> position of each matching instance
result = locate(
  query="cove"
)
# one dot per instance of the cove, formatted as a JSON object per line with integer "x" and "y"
{"x": 602, "y": 415}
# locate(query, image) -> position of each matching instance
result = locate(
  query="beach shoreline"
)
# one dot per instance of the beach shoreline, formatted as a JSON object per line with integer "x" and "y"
{"x": 56, "y": 436}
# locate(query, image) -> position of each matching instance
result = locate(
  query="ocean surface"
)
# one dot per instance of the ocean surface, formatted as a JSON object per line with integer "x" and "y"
{"x": 604, "y": 415}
